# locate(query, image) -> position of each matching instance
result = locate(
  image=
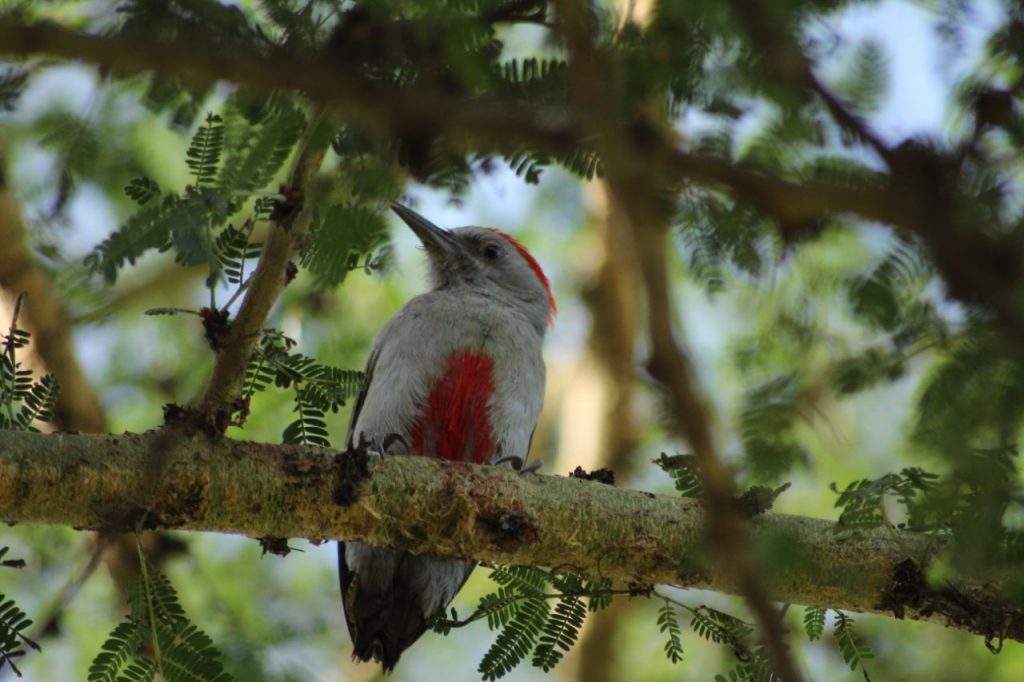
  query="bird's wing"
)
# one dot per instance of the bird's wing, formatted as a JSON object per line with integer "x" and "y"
{"x": 371, "y": 364}
{"x": 344, "y": 574}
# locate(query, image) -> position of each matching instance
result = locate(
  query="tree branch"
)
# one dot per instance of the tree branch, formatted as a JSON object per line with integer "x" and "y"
{"x": 220, "y": 400}
{"x": 489, "y": 122}
{"x": 784, "y": 57}
{"x": 637, "y": 190}
{"x": 322, "y": 79}
{"x": 78, "y": 407}
{"x": 488, "y": 514}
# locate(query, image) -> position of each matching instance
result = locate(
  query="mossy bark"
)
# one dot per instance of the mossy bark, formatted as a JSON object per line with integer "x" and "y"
{"x": 171, "y": 479}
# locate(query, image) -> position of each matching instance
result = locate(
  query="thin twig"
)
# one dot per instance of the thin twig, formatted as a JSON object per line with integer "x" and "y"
{"x": 264, "y": 285}
{"x": 480, "y": 614}
{"x": 9, "y": 344}
{"x": 628, "y": 174}
{"x": 70, "y": 590}
{"x": 148, "y": 591}
{"x": 78, "y": 407}
{"x": 786, "y": 58}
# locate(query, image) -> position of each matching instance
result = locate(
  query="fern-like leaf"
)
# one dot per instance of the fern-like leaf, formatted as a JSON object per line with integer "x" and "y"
{"x": 10, "y": 563}
{"x": 560, "y": 632}
{"x": 499, "y": 607}
{"x": 516, "y": 639}
{"x": 766, "y": 422}
{"x": 853, "y": 654}
{"x": 524, "y": 579}
{"x": 187, "y": 654}
{"x": 309, "y": 428}
{"x": 257, "y": 150}
{"x": 13, "y": 622}
{"x": 685, "y": 473}
{"x": 12, "y": 83}
{"x": 180, "y": 651}
{"x": 720, "y": 627}
{"x": 233, "y": 249}
{"x": 203, "y": 153}
{"x": 339, "y": 239}
{"x": 150, "y": 228}
{"x": 814, "y": 622}
{"x": 121, "y": 646}
{"x": 596, "y": 601}
{"x": 668, "y": 623}
{"x": 142, "y": 189}
{"x": 38, "y": 402}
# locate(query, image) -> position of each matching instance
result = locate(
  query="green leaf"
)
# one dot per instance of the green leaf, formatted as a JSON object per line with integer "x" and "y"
{"x": 187, "y": 654}
{"x": 516, "y": 639}
{"x": 339, "y": 239}
{"x": 853, "y": 654}
{"x": 142, "y": 189}
{"x": 881, "y": 298}
{"x": 256, "y": 150}
{"x": 720, "y": 627}
{"x": 117, "y": 652}
{"x": 39, "y": 401}
{"x": 13, "y": 623}
{"x": 233, "y": 250}
{"x": 668, "y": 623}
{"x": 203, "y": 154}
{"x": 149, "y": 228}
{"x": 865, "y": 82}
{"x": 685, "y": 473}
{"x": 156, "y": 626}
{"x": 769, "y": 414}
{"x": 12, "y": 83}
{"x": 869, "y": 368}
{"x": 560, "y": 632}
{"x": 814, "y": 622}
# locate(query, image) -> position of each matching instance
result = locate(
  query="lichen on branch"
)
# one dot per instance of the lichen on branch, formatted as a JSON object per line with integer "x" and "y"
{"x": 192, "y": 482}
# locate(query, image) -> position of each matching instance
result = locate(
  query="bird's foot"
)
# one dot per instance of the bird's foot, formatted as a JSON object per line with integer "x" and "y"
{"x": 517, "y": 464}
{"x": 379, "y": 446}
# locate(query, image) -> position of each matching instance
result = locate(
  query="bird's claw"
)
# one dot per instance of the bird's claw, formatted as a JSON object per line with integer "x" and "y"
{"x": 517, "y": 464}
{"x": 379, "y": 447}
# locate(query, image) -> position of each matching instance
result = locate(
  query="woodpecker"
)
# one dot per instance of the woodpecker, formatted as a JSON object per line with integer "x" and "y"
{"x": 456, "y": 374}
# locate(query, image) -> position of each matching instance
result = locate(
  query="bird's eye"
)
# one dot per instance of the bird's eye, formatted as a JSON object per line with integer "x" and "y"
{"x": 493, "y": 251}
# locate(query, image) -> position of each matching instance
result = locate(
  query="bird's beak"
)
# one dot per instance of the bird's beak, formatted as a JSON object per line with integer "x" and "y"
{"x": 433, "y": 237}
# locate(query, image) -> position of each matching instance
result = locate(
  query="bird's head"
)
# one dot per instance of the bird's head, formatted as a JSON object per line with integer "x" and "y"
{"x": 484, "y": 259}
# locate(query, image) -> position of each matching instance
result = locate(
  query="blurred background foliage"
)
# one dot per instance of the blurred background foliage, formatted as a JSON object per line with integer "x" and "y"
{"x": 831, "y": 358}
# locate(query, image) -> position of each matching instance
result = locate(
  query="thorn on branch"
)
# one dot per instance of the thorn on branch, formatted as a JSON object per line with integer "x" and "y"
{"x": 216, "y": 326}
{"x": 276, "y": 546}
{"x": 640, "y": 589}
{"x": 285, "y": 210}
{"x": 351, "y": 468}
{"x": 604, "y": 475}
{"x": 974, "y": 610}
{"x": 191, "y": 420}
{"x": 511, "y": 529}
{"x": 758, "y": 499}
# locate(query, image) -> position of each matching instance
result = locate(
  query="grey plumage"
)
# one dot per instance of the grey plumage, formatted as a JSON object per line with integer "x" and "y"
{"x": 489, "y": 300}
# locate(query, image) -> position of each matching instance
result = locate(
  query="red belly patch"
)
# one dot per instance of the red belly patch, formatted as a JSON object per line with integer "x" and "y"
{"x": 455, "y": 422}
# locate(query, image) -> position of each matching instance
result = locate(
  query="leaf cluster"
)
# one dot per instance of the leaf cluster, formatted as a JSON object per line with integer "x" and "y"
{"x": 157, "y": 641}
{"x": 317, "y": 388}
{"x": 13, "y": 623}
{"x": 231, "y": 158}
{"x": 685, "y": 473}
{"x": 521, "y": 609}
{"x": 863, "y": 505}
{"x": 23, "y": 401}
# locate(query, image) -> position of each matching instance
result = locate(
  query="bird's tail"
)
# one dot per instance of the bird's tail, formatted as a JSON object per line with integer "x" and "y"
{"x": 389, "y": 595}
